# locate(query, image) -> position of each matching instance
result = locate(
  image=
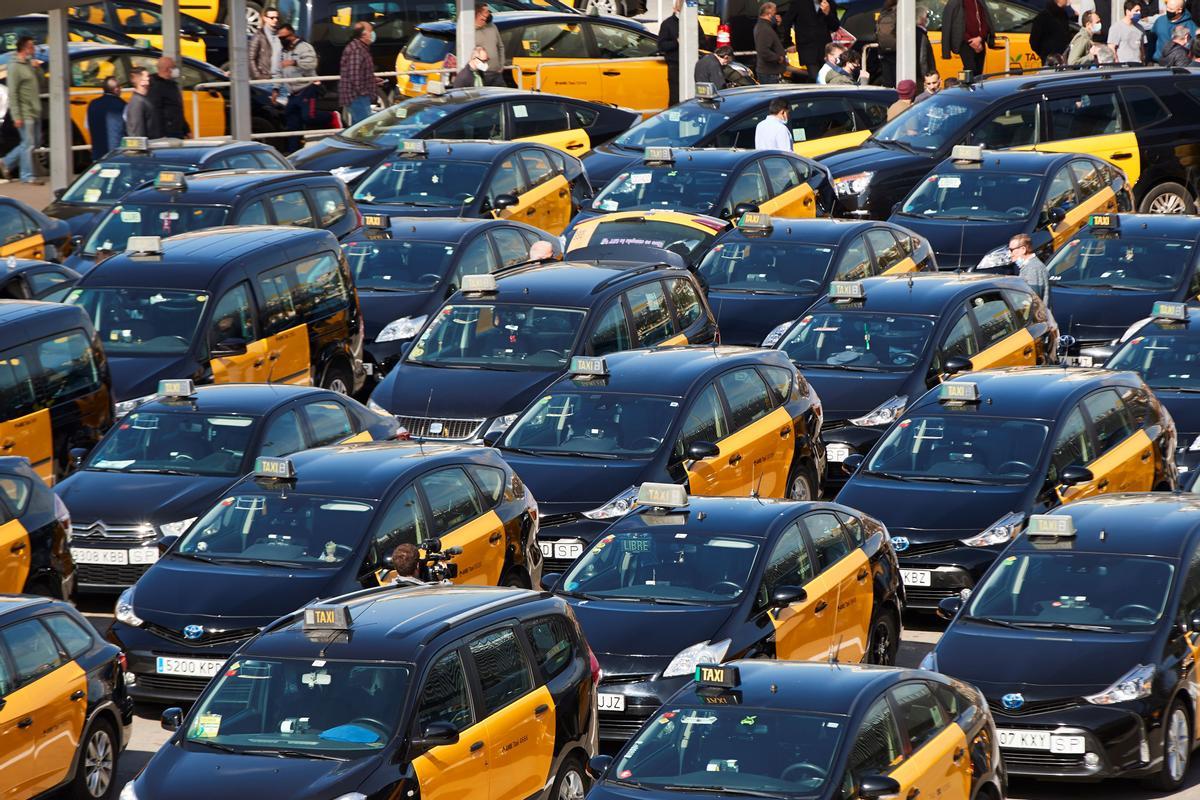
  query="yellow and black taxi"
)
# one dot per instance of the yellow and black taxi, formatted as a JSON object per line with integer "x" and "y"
{"x": 65, "y": 715}
{"x": 502, "y": 339}
{"x": 728, "y": 421}
{"x": 1110, "y": 275}
{"x": 78, "y": 30}
{"x": 958, "y": 475}
{"x": 176, "y": 202}
{"x": 574, "y": 126}
{"x": 404, "y": 268}
{"x": 55, "y": 382}
{"x": 316, "y": 524}
{"x": 806, "y": 729}
{"x": 35, "y": 533}
{"x": 202, "y": 39}
{"x": 1083, "y": 638}
{"x": 871, "y": 346}
{"x": 682, "y": 581}
{"x": 765, "y": 271}
{"x": 974, "y": 202}
{"x": 166, "y": 462}
{"x": 626, "y": 232}
{"x": 137, "y": 161}
{"x": 441, "y": 691}
{"x": 28, "y": 233}
{"x": 252, "y": 304}
{"x": 723, "y": 183}
{"x": 524, "y": 181}
{"x": 822, "y": 119}
{"x": 31, "y": 279}
{"x": 1139, "y": 120}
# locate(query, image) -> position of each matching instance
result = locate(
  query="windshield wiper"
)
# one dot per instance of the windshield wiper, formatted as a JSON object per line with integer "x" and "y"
{"x": 224, "y": 747}
{"x": 1184, "y": 389}
{"x": 846, "y": 367}
{"x": 1069, "y": 626}
{"x": 722, "y": 790}
{"x": 947, "y": 479}
{"x": 521, "y": 450}
{"x": 195, "y": 557}
{"x": 893, "y": 475}
{"x": 902, "y": 145}
{"x": 294, "y": 754}
{"x": 261, "y": 562}
{"x": 161, "y": 471}
{"x": 413, "y": 204}
{"x": 362, "y": 288}
{"x": 564, "y": 454}
{"x": 580, "y": 595}
{"x": 990, "y": 621}
{"x": 660, "y": 601}
{"x": 1114, "y": 286}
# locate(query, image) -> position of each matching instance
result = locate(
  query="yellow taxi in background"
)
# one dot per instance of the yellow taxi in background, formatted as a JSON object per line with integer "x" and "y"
{"x": 143, "y": 21}
{"x": 689, "y": 235}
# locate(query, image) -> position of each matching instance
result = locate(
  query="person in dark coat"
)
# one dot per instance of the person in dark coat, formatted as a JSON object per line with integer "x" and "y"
{"x": 926, "y": 63}
{"x": 770, "y": 55}
{"x": 968, "y": 32}
{"x": 1051, "y": 31}
{"x": 1178, "y": 53}
{"x": 106, "y": 119}
{"x": 710, "y": 68}
{"x": 668, "y": 47}
{"x": 810, "y": 25}
{"x": 166, "y": 102}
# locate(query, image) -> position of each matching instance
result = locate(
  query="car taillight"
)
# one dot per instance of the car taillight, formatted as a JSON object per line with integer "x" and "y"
{"x": 123, "y": 661}
{"x": 596, "y": 671}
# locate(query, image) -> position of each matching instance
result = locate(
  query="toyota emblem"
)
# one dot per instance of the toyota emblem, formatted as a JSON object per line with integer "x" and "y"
{"x": 193, "y": 631}
{"x": 1013, "y": 701}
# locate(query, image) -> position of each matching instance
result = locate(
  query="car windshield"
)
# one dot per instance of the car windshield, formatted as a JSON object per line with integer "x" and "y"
{"x": 682, "y": 239}
{"x": 426, "y": 48}
{"x": 405, "y": 120}
{"x": 682, "y": 126}
{"x": 763, "y": 751}
{"x": 501, "y": 336}
{"x": 283, "y": 528}
{"x": 301, "y": 706}
{"x": 1165, "y": 361}
{"x": 1128, "y": 262}
{"x": 854, "y": 340}
{"x": 763, "y": 266}
{"x": 931, "y": 124}
{"x": 975, "y": 196}
{"x": 1111, "y": 590}
{"x": 646, "y": 566}
{"x": 603, "y": 423}
{"x": 960, "y": 447}
{"x": 692, "y": 189}
{"x": 145, "y": 219}
{"x": 108, "y": 181}
{"x": 176, "y": 441}
{"x": 137, "y": 321}
{"x": 422, "y": 182}
{"x": 390, "y": 265}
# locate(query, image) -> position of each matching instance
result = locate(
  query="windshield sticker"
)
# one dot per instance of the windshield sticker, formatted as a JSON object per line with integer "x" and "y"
{"x": 207, "y": 726}
{"x": 250, "y": 504}
{"x": 126, "y": 216}
{"x": 230, "y": 422}
{"x": 106, "y": 464}
{"x": 520, "y": 112}
{"x": 91, "y": 195}
{"x": 608, "y": 205}
{"x": 144, "y": 422}
{"x": 401, "y": 113}
{"x": 320, "y": 678}
{"x": 949, "y": 182}
{"x": 638, "y": 178}
{"x": 750, "y": 720}
{"x": 722, "y": 765}
{"x": 799, "y": 135}
{"x": 168, "y": 215}
{"x": 110, "y": 172}
{"x": 698, "y": 719}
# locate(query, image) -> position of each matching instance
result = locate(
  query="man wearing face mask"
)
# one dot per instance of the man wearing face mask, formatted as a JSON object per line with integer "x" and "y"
{"x": 1176, "y": 14}
{"x": 487, "y": 36}
{"x": 476, "y": 72}
{"x": 1080, "y": 50}
{"x": 166, "y": 102}
{"x": 358, "y": 86}
{"x": 1126, "y": 37}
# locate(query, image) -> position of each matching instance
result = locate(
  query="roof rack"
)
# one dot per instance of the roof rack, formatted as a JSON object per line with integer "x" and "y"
{"x": 357, "y": 594}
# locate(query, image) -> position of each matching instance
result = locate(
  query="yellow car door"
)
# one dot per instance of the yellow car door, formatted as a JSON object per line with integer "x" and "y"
{"x": 286, "y": 340}
{"x": 549, "y": 192}
{"x": 28, "y": 431}
{"x": 762, "y": 436}
{"x": 203, "y": 109}
{"x": 456, "y": 771}
{"x": 804, "y": 628}
{"x": 938, "y": 759}
{"x": 458, "y": 518}
{"x": 789, "y": 194}
{"x": 547, "y": 55}
{"x": 1012, "y": 51}
{"x": 233, "y": 322}
{"x": 548, "y": 123}
{"x": 632, "y": 75}
{"x": 1092, "y": 122}
{"x": 891, "y": 258}
{"x": 850, "y": 570}
{"x": 706, "y": 423}
{"x": 1124, "y": 455}
{"x": 20, "y": 237}
{"x": 814, "y": 148}
{"x": 15, "y": 554}
{"x": 1003, "y": 341}
{"x": 822, "y": 125}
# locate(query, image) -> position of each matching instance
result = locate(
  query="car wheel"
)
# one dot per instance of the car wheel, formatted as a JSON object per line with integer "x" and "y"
{"x": 800, "y": 484}
{"x": 515, "y": 579}
{"x": 885, "y": 639}
{"x": 95, "y": 776}
{"x": 608, "y": 7}
{"x": 1176, "y": 750}
{"x": 253, "y": 18}
{"x": 1168, "y": 198}
{"x": 337, "y": 379}
{"x": 569, "y": 784}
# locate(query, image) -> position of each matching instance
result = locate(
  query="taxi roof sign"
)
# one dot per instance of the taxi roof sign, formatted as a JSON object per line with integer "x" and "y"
{"x": 144, "y": 244}
{"x": 967, "y": 152}
{"x": 135, "y": 143}
{"x": 706, "y": 91}
{"x": 170, "y": 179}
{"x": 663, "y": 154}
{"x": 1110, "y": 221}
{"x": 435, "y": 87}
{"x": 414, "y": 147}
{"x": 662, "y": 495}
{"x": 589, "y": 366}
{"x": 327, "y": 617}
{"x": 182, "y": 387}
{"x": 1056, "y": 525}
{"x": 377, "y": 221}
{"x": 959, "y": 392}
{"x": 278, "y": 468}
{"x": 754, "y": 221}
{"x": 1166, "y": 310}
{"x": 479, "y": 283}
{"x": 719, "y": 675}
{"x": 847, "y": 290}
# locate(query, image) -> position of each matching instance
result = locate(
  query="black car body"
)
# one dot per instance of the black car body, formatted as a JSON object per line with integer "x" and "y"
{"x": 35, "y": 531}
{"x": 29, "y": 279}
{"x": 36, "y": 25}
{"x": 138, "y": 17}
{"x": 28, "y": 233}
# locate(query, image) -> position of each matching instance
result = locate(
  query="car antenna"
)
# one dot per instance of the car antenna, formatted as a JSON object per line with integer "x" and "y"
{"x": 757, "y": 484}
{"x": 428, "y": 407}
{"x": 833, "y": 657}
{"x": 717, "y": 322}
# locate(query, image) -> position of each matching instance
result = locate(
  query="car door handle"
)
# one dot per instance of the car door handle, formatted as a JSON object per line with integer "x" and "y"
{"x": 16, "y": 548}
{"x": 1102, "y": 484}
{"x": 25, "y": 723}
{"x": 274, "y": 356}
{"x": 562, "y": 192}
{"x": 476, "y": 747}
{"x": 913, "y": 794}
{"x": 1028, "y": 350}
{"x": 863, "y": 573}
{"x": 819, "y": 607}
{"x": 612, "y": 73}
{"x": 8, "y": 444}
{"x": 542, "y": 709}
{"x": 495, "y": 538}
{"x": 531, "y": 212}
{"x": 785, "y": 433}
{"x": 78, "y": 694}
{"x": 959, "y": 753}
{"x": 575, "y": 146}
{"x": 1121, "y": 156}
{"x": 1146, "y": 455}
{"x": 734, "y": 459}
{"x": 84, "y": 103}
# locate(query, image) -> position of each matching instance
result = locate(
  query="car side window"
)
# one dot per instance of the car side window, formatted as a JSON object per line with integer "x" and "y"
{"x": 505, "y": 180}
{"x": 686, "y": 300}
{"x": 403, "y": 523}
{"x": 331, "y": 204}
{"x": 490, "y": 481}
{"x": 446, "y": 698}
{"x": 853, "y": 527}
{"x": 651, "y": 319}
{"x": 328, "y": 421}
{"x": 16, "y": 490}
{"x": 1086, "y": 114}
{"x": 789, "y": 564}
{"x": 451, "y": 497}
{"x": 511, "y": 246}
{"x": 829, "y": 539}
{"x": 291, "y": 208}
{"x": 960, "y": 341}
{"x": 1144, "y": 106}
{"x": 877, "y": 749}
{"x": 17, "y": 393}
{"x": 71, "y": 635}
{"x": 1015, "y": 126}
{"x": 1138, "y": 406}
{"x": 552, "y": 644}
{"x": 748, "y": 187}
{"x": 816, "y": 118}
{"x": 67, "y": 366}
{"x": 780, "y": 175}
{"x": 705, "y": 422}
{"x": 888, "y": 251}
{"x": 537, "y": 117}
{"x": 1061, "y": 193}
{"x": 1073, "y": 446}
{"x": 780, "y": 380}
{"x": 614, "y": 42}
{"x": 12, "y": 226}
{"x": 43, "y": 281}
{"x": 1189, "y": 598}
{"x": 1022, "y": 305}
{"x": 951, "y": 700}
{"x": 1088, "y": 177}
{"x": 538, "y": 166}
{"x": 254, "y": 214}
{"x": 1109, "y": 419}
{"x": 476, "y": 259}
{"x": 746, "y": 395}
{"x": 548, "y": 40}
{"x": 321, "y": 285}
{"x": 283, "y": 436}
{"x": 504, "y": 673}
{"x": 921, "y": 716}
{"x": 612, "y": 330}
{"x": 279, "y": 305}
{"x": 854, "y": 262}
{"x": 32, "y": 649}
{"x": 741, "y": 132}
{"x": 993, "y": 318}
{"x": 233, "y": 317}
{"x": 872, "y": 113}
{"x": 481, "y": 123}
{"x": 238, "y": 161}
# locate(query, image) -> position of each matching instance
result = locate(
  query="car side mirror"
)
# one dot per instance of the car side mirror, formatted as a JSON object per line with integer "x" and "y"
{"x": 491, "y": 437}
{"x": 698, "y": 451}
{"x": 956, "y": 364}
{"x": 58, "y": 193}
{"x": 948, "y": 607}
{"x": 172, "y": 719}
{"x": 745, "y": 208}
{"x": 1056, "y": 215}
{"x": 550, "y": 580}
{"x": 436, "y": 734}
{"x": 504, "y": 201}
{"x": 229, "y": 347}
{"x": 76, "y": 456}
{"x": 852, "y": 463}
{"x": 786, "y": 595}
{"x": 597, "y": 766}
{"x": 873, "y": 786}
{"x": 1075, "y": 474}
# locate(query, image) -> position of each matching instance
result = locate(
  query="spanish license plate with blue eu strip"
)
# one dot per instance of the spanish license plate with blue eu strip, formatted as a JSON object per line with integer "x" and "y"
{"x": 1040, "y": 740}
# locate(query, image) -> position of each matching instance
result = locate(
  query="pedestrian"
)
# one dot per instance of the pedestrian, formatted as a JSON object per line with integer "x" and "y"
{"x": 849, "y": 70}
{"x": 137, "y": 110}
{"x": 932, "y": 84}
{"x": 1051, "y": 30}
{"x": 1177, "y": 53}
{"x": 771, "y": 55}
{"x": 487, "y": 36}
{"x": 968, "y": 32}
{"x": 476, "y": 72}
{"x": 809, "y": 25}
{"x": 358, "y": 87}
{"x": 298, "y": 59}
{"x": 773, "y": 132}
{"x": 710, "y": 68}
{"x": 741, "y": 16}
{"x": 106, "y": 119}
{"x": 25, "y": 109}
{"x": 1164, "y": 26}
{"x": 885, "y": 37}
{"x": 907, "y": 90}
{"x": 668, "y": 48}
{"x": 1080, "y": 50}
{"x": 265, "y": 48}
{"x": 833, "y": 55}
{"x": 541, "y": 250}
{"x": 1126, "y": 37}
{"x": 1029, "y": 266}
{"x": 926, "y": 63}
{"x": 166, "y": 102}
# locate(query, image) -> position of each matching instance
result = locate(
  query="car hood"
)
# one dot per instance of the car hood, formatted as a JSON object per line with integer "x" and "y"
{"x": 381, "y": 308}
{"x": 138, "y": 376}
{"x": 871, "y": 159}
{"x": 604, "y": 162}
{"x": 416, "y": 391}
{"x": 1185, "y": 410}
{"x": 392, "y": 209}
{"x": 931, "y": 512}
{"x": 745, "y": 318}
{"x": 563, "y": 485}
{"x": 616, "y": 628}
{"x": 1093, "y": 314}
{"x": 961, "y": 243}
{"x": 330, "y": 153}
{"x": 845, "y": 395}
{"x": 80, "y": 217}
{"x": 124, "y": 498}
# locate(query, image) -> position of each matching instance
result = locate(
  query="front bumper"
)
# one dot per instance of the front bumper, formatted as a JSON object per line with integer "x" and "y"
{"x": 840, "y": 440}
{"x": 139, "y": 554}
{"x": 380, "y": 357}
{"x": 950, "y": 567}
{"x": 144, "y": 647}
{"x": 1117, "y": 741}
{"x": 644, "y": 693}
{"x": 564, "y": 537}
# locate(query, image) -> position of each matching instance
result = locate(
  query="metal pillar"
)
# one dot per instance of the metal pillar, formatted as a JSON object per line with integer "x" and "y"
{"x": 239, "y": 72}
{"x": 689, "y": 49}
{"x": 59, "y": 121}
{"x": 906, "y": 41}
{"x": 170, "y": 29}
{"x": 464, "y": 34}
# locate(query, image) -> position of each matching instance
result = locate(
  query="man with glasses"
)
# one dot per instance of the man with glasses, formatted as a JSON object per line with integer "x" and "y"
{"x": 1030, "y": 267}
{"x": 265, "y": 47}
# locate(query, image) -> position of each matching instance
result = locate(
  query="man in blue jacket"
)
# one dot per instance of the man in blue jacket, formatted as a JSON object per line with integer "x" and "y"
{"x": 106, "y": 119}
{"x": 1176, "y": 14}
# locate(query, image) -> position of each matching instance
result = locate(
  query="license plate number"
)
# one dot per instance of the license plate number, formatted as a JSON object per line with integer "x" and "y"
{"x": 563, "y": 548}
{"x": 1041, "y": 740}
{"x": 417, "y": 80}
{"x": 1079, "y": 361}
{"x": 189, "y": 667}
{"x": 837, "y": 453}
{"x": 610, "y": 702}
{"x": 916, "y": 577}
{"x": 113, "y": 557}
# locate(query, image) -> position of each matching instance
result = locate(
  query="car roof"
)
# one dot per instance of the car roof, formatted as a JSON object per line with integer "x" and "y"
{"x": 220, "y": 187}
{"x": 1032, "y": 392}
{"x": 1174, "y": 226}
{"x": 21, "y": 312}
{"x": 467, "y": 149}
{"x": 921, "y": 293}
{"x": 575, "y": 284}
{"x": 734, "y": 99}
{"x": 511, "y": 19}
{"x": 435, "y": 229}
{"x": 821, "y": 231}
{"x": 670, "y": 371}
{"x": 660, "y": 215}
{"x": 234, "y": 398}
{"x": 1154, "y": 524}
{"x": 183, "y": 151}
{"x": 747, "y": 517}
{"x": 13, "y": 604}
{"x": 710, "y": 157}
{"x": 1015, "y": 161}
{"x": 1007, "y": 87}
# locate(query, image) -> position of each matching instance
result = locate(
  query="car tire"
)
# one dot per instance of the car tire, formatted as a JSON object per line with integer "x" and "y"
{"x": 571, "y": 782}
{"x": 800, "y": 483}
{"x": 515, "y": 578}
{"x": 884, "y": 641}
{"x": 253, "y": 18}
{"x": 1176, "y": 750}
{"x": 96, "y": 773}
{"x": 338, "y": 379}
{"x": 1168, "y": 198}
{"x": 44, "y": 587}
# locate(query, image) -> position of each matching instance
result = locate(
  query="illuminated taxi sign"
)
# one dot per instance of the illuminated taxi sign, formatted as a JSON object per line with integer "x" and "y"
{"x": 485, "y": 283}
{"x": 412, "y": 147}
{"x": 377, "y": 221}
{"x": 706, "y": 91}
{"x": 176, "y": 388}
{"x": 327, "y": 618}
{"x": 719, "y": 675}
{"x": 1166, "y": 310}
{"x": 435, "y": 87}
{"x": 144, "y": 244}
{"x": 278, "y": 468}
{"x": 959, "y": 392}
{"x": 1057, "y": 526}
{"x": 659, "y": 154}
{"x": 135, "y": 143}
{"x": 588, "y": 366}
{"x": 847, "y": 290}
{"x": 754, "y": 221}
{"x": 170, "y": 179}
{"x": 967, "y": 152}
{"x": 662, "y": 495}
{"x": 1110, "y": 221}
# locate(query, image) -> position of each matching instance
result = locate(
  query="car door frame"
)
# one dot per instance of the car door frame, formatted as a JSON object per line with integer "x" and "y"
{"x": 1020, "y": 334}
{"x": 485, "y": 538}
{"x": 947, "y": 733}
{"x": 1072, "y": 144}
{"x": 776, "y": 624}
{"x": 905, "y": 265}
{"x": 1125, "y": 462}
{"x": 846, "y": 572}
{"x": 474, "y": 699}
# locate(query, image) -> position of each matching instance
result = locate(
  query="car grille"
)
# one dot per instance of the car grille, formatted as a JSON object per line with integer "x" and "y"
{"x": 109, "y": 574}
{"x": 1037, "y": 761}
{"x": 453, "y": 430}
{"x": 557, "y": 565}
{"x": 550, "y": 520}
{"x": 1034, "y": 707}
{"x": 925, "y": 596}
{"x": 171, "y": 683}
{"x": 103, "y": 532}
{"x": 930, "y": 548}
{"x": 209, "y": 638}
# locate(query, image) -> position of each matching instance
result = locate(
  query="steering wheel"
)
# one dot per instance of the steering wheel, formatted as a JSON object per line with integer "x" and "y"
{"x": 807, "y": 772}
{"x": 556, "y": 353}
{"x": 904, "y": 359}
{"x": 433, "y": 275}
{"x": 807, "y": 280}
{"x": 183, "y": 457}
{"x": 370, "y": 721}
{"x": 646, "y": 443}
{"x": 1017, "y": 210}
{"x": 723, "y": 587}
{"x": 1015, "y": 466}
{"x": 1135, "y": 611}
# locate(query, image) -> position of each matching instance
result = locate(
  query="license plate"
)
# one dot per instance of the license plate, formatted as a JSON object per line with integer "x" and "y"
{"x": 1078, "y": 361}
{"x": 1041, "y": 740}
{"x": 189, "y": 667}
{"x": 113, "y": 557}
{"x": 837, "y": 453}
{"x": 417, "y": 80}
{"x": 563, "y": 548}
{"x": 916, "y": 577}
{"x": 610, "y": 702}
{"x": 143, "y": 555}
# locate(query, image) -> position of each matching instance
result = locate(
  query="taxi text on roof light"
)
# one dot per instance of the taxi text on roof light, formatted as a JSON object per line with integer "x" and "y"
{"x": 584, "y": 365}
{"x": 170, "y": 179}
{"x": 181, "y": 387}
{"x": 959, "y": 392}
{"x": 706, "y": 91}
{"x": 135, "y": 143}
{"x": 1165, "y": 310}
{"x": 144, "y": 244}
{"x": 326, "y": 618}
{"x": 280, "y": 468}
{"x": 658, "y": 154}
{"x": 412, "y": 146}
{"x": 479, "y": 283}
{"x": 847, "y": 290}
{"x": 966, "y": 152}
{"x": 721, "y": 675}
{"x": 1111, "y": 221}
{"x": 754, "y": 221}
{"x": 662, "y": 495}
{"x": 377, "y": 220}
{"x": 1056, "y": 525}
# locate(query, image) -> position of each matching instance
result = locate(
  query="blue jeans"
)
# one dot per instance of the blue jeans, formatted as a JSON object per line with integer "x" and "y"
{"x": 24, "y": 151}
{"x": 358, "y": 110}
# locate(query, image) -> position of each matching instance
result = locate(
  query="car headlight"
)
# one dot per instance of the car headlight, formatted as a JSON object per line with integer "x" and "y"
{"x": 887, "y": 413}
{"x": 124, "y": 611}
{"x": 849, "y": 185}
{"x": 1195, "y": 445}
{"x": 500, "y": 424}
{"x": 63, "y": 515}
{"x": 347, "y": 174}
{"x": 995, "y": 259}
{"x": 1133, "y": 685}
{"x": 929, "y": 662}
{"x": 700, "y": 653}
{"x": 176, "y": 528}
{"x": 1001, "y": 531}
{"x": 378, "y": 409}
{"x": 403, "y": 328}
{"x": 619, "y": 506}
{"x": 128, "y": 793}
{"x": 125, "y": 406}
{"x": 777, "y": 333}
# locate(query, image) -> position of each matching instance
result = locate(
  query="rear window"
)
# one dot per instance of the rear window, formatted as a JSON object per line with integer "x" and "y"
{"x": 426, "y": 48}
{"x": 551, "y": 639}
